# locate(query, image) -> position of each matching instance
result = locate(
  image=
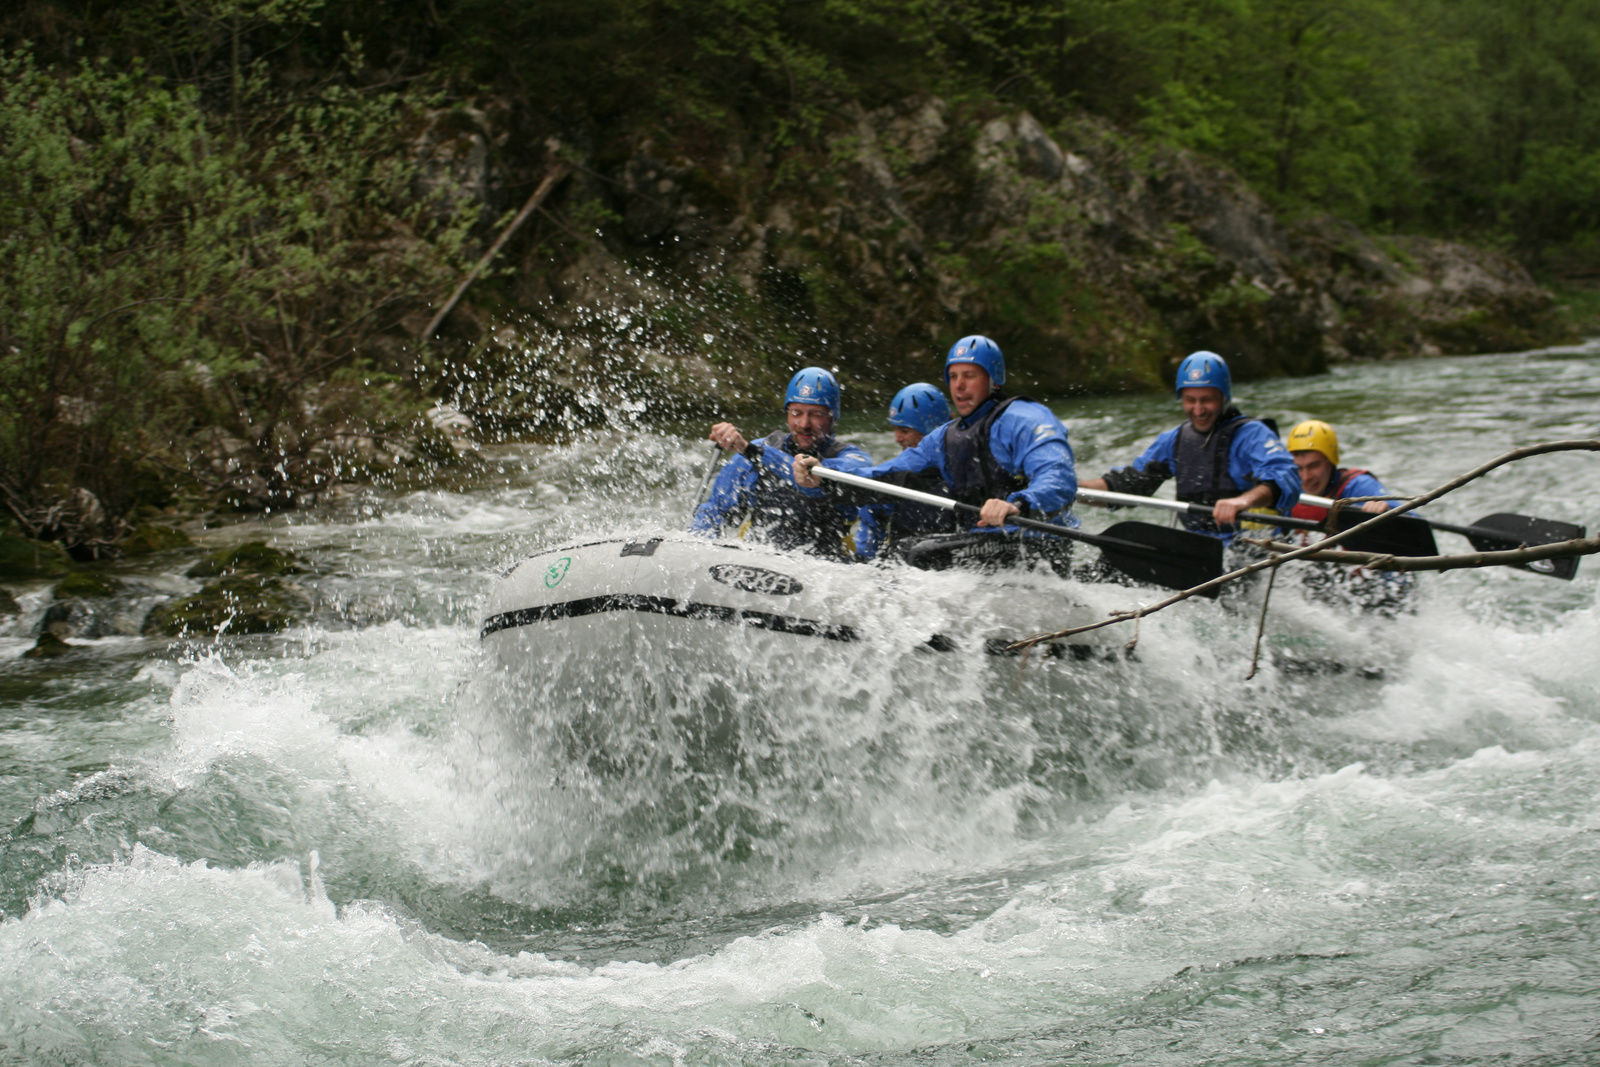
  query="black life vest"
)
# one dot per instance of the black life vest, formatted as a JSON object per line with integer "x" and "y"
{"x": 1200, "y": 464}
{"x": 975, "y": 475}
{"x": 906, "y": 519}
{"x": 788, "y": 519}
{"x": 1341, "y": 478}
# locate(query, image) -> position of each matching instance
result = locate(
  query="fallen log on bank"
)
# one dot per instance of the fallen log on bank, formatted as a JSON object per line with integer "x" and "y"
{"x": 556, "y": 172}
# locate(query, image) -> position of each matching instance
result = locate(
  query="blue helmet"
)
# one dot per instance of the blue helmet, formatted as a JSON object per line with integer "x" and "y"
{"x": 813, "y": 385}
{"x": 980, "y": 350}
{"x": 920, "y": 407}
{"x": 1200, "y": 370}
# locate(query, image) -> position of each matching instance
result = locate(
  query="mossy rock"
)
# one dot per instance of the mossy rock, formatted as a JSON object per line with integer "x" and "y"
{"x": 153, "y": 537}
{"x": 85, "y": 586}
{"x": 239, "y": 604}
{"x": 8, "y": 604}
{"x": 252, "y": 557}
{"x": 21, "y": 557}
{"x": 48, "y": 646}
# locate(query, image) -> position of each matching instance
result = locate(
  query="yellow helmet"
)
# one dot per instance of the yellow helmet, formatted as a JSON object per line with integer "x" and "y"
{"x": 1315, "y": 436}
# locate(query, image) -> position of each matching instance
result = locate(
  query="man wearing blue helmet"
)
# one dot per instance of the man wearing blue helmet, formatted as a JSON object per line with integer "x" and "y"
{"x": 755, "y": 492}
{"x": 1218, "y": 457}
{"x": 886, "y": 525}
{"x": 1005, "y": 455}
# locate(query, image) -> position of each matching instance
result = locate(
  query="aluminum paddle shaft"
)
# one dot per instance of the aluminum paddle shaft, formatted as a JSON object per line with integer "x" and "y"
{"x": 1196, "y": 511}
{"x": 1155, "y": 554}
{"x": 871, "y": 485}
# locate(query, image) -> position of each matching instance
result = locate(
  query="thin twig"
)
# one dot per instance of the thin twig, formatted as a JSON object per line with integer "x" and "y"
{"x": 1261, "y": 625}
{"x": 1366, "y": 526}
{"x": 563, "y": 227}
{"x": 1586, "y": 546}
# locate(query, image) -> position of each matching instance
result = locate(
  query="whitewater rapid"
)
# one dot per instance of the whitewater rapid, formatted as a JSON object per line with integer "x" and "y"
{"x": 316, "y": 847}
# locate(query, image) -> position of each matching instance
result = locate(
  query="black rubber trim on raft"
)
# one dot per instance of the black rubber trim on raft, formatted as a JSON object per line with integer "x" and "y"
{"x": 664, "y": 605}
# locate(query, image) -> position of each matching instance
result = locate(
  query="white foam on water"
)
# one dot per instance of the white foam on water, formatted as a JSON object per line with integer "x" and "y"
{"x": 151, "y": 957}
{"x": 1481, "y": 682}
{"x": 1148, "y": 861}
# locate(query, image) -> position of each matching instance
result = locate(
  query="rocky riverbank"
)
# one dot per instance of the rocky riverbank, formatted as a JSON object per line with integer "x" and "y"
{"x": 1095, "y": 258}
{"x": 248, "y": 588}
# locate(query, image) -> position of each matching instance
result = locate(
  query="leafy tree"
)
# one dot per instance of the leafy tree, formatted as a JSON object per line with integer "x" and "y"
{"x": 1517, "y": 152}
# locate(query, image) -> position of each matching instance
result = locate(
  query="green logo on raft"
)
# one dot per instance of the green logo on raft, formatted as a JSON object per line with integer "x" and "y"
{"x": 556, "y": 571}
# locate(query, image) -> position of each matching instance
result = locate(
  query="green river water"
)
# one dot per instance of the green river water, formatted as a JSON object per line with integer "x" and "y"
{"x": 304, "y": 849}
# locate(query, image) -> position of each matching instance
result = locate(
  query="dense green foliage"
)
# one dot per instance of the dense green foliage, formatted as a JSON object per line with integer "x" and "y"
{"x": 185, "y": 285}
{"x": 1472, "y": 118}
{"x": 1463, "y": 117}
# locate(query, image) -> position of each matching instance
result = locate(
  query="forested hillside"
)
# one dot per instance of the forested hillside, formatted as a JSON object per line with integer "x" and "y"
{"x": 226, "y": 224}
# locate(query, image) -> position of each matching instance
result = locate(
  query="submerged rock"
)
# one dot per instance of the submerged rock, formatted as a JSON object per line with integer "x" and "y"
{"x": 47, "y": 647}
{"x": 97, "y": 605}
{"x": 68, "y": 618}
{"x": 151, "y": 537}
{"x": 86, "y": 586}
{"x": 252, "y": 557}
{"x": 238, "y": 604}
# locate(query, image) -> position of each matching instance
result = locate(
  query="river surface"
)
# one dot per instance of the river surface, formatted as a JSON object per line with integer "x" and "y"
{"x": 307, "y": 848}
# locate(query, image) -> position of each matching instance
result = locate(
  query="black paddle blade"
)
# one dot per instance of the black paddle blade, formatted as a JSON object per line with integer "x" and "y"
{"x": 1519, "y": 530}
{"x": 1181, "y": 559}
{"x": 1397, "y": 537}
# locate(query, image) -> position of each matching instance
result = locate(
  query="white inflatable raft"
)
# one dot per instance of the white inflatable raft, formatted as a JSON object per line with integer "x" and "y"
{"x": 685, "y": 592}
{"x": 660, "y": 703}
{"x": 653, "y": 702}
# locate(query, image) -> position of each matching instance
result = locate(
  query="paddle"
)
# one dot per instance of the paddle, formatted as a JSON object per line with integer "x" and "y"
{"x": 1501, "y": 531}
{"x": 1144, "y": 552}
{"x": 705, "y": 483}
{"x": 1399, "y": 537}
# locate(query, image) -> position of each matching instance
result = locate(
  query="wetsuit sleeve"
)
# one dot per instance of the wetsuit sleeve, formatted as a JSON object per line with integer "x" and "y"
{"x": 781, "y": 467}
{"x": 1367, "y": 485}
{"x": 1030, "y": 439}
{"x": 1145, "y": 474}
{"x": 1259, "y": 458}
{"x": 728, "y": 491}
{"x": 1052, "y": 479}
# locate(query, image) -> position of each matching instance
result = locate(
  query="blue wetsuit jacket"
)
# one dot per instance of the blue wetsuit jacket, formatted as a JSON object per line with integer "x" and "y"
{"x": 788, "y": 515}
{"x": 1026, "y": 439}
{"x": 1255, "y": 457}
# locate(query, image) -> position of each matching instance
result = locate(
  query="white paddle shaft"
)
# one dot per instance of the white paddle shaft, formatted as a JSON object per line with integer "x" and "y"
{"x": 828, "y": 474}
{"x": 1101, "y": 496}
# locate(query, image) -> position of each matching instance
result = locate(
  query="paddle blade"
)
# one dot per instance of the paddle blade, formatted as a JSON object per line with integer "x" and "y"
{"x": 1397, "y": 537}
{"x": 1522, "y": 530}
{"x": 1180, "y": 560}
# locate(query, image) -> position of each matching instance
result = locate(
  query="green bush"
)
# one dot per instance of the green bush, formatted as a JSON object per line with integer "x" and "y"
{"x": 172, "y": 270}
